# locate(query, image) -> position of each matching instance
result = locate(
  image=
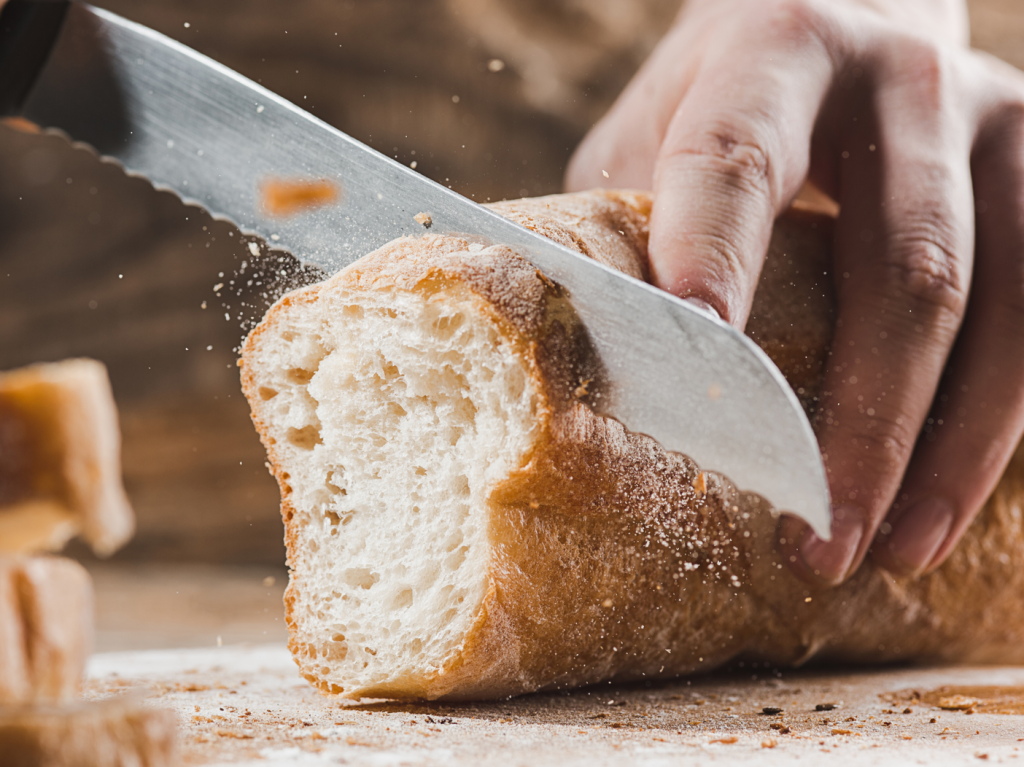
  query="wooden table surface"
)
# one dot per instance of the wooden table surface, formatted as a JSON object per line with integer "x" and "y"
{"x": 209, "y": 642}
{"x": 247, "y": 705}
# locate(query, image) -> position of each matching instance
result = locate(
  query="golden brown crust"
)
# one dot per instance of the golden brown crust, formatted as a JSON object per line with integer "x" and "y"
{"x": 614, "y": 559}
{"x": 45, "y": 628}
{"x": 117, "y": 731}
{"x": 60, "y": 469}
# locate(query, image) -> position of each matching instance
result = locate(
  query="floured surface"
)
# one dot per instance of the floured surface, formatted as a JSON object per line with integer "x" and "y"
{"x": 248, "y": 705}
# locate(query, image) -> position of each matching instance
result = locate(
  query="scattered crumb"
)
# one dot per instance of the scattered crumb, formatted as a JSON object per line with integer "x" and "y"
{"x": 283, "y": 197}
{"x": 21, "y": 124}
{"x": 771, "y": 710}
{"x": 840, "y": 731}
{"x": 424, "y": 218}
{"x": 770, "y": 743}
{"x": 726, "y": 739}
{"x": 957, "y": 703}
{"x": 825, "y": 707}
{"x": 546, "y": 280}
{"x": 700, "y": 484}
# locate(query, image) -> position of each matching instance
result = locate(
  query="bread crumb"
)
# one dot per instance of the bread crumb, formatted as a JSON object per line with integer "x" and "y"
{"x": 770, "y": 743}
{"x": 545, "y": 279}
{"x": 21, "y": 125}
{"x": 423, "y": 218}
{"x": 957, "y": 703}
{"x": 727, "y": 739}
{"x": 283, "y": 197}
{"x": 700, "y": 484}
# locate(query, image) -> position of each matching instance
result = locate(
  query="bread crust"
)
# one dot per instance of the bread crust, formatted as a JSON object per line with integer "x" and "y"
{"x": 613, "y": 559}
{"x": 46, "y": 631}
{"x": 60, "y": 463}
{"x": 116, "y": 731}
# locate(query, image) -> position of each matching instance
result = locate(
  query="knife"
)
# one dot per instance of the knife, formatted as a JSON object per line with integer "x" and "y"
{"x": 195, "y": 127}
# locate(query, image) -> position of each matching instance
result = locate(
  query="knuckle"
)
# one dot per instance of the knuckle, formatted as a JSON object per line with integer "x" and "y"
{"x": 727, "y": 265}
{"x": 923, "y": 60}
{"x": 925, "y": 271}
{"x": 931, "y": 69}
{"x": 796, "y": 23}
{"x": 734, "y": 154}
{"x": 928, "y": 70}
{"x": 877, "y": 447}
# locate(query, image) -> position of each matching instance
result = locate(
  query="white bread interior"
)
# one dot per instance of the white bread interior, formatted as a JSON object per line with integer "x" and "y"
{"x": 392, "y": 446}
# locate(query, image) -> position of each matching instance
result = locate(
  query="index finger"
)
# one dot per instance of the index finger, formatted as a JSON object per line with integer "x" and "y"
{"x": 736, "y": 152}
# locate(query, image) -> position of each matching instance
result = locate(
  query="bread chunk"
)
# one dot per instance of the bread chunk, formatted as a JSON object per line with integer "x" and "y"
{"x": 46, "y": 628}
{"x": 60, "y": 466}
{"x": 111, "y": 733}
{"x": 462, "y": 523}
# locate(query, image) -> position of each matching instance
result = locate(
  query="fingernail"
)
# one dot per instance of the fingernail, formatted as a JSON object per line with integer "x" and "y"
{"x": 919, "y": 533}
{"x": 704, "y": 306}
{"x": 832, "y": 560}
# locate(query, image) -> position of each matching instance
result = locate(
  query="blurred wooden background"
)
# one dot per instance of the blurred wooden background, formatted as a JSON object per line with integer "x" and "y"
{"x": 94, "y": 263}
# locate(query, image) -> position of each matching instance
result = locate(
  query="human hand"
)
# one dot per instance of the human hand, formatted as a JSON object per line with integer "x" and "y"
{"x": 921, "y": 141}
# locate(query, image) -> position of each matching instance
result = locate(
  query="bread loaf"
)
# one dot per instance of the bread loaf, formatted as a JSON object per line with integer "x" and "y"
{"x": 60, "y": 466}
{"x": 46, "y": 619}
{"x": 462, "y": 524}
{"x": 118, "y": 732}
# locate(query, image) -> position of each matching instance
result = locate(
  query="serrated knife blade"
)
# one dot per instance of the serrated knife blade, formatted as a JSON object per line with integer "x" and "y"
{"x": 195, "y": 127}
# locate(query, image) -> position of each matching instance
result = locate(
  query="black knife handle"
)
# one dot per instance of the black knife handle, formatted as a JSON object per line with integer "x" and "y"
{"x": 28, "y": 30}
